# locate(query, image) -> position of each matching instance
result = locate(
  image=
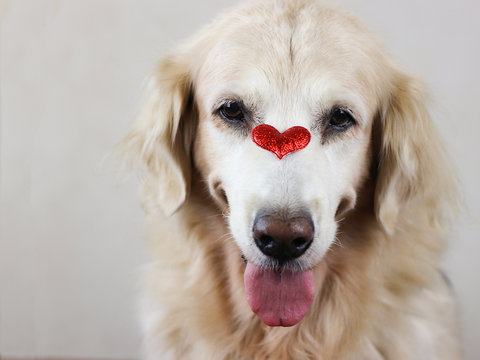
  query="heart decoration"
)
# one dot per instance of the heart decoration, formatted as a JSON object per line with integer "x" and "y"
{"x": 281, "y": 144}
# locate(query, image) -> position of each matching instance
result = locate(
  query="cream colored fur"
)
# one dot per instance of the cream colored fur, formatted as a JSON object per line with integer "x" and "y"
{"x": 380, "y": 292}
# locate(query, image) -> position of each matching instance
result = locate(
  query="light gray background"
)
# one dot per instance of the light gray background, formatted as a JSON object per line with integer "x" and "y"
{"x": 70, "y": 76}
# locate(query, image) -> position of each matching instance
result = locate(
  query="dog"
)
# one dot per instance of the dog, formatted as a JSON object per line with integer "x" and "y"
{"x": 297, "y": 194}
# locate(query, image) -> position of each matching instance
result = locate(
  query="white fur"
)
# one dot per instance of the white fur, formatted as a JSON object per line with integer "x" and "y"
{"x": 379, "y": 193}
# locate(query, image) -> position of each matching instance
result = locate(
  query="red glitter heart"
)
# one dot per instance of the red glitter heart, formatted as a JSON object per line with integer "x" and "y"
{"x": 281, "y": 144}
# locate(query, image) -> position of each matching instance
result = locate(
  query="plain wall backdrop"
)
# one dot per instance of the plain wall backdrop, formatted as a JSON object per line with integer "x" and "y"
{"x": 70, "y": 79}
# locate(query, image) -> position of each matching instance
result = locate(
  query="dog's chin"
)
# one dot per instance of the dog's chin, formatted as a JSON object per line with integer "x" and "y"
{"x": 279, "y": 294}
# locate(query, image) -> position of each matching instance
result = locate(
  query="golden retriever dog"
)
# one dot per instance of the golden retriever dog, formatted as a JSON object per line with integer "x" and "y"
{"x": 297, "y": 195}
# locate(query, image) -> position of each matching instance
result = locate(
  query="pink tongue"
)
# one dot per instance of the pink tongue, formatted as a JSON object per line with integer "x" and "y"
{"x": 278, "y": 298}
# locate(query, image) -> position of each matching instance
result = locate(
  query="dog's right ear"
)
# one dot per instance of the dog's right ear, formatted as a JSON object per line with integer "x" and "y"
{"x": 162, "y": 136}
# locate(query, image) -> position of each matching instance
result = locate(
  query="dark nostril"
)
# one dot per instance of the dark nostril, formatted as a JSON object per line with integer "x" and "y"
{"x": 299, "y": 243}
{"x": 282, "y": 237}
{"x": 267, "y": 243}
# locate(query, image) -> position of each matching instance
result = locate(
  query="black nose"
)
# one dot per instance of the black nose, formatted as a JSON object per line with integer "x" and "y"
{"x": 283, "y": 237}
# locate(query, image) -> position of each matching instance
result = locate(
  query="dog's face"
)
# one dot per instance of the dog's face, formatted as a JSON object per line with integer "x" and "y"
{"x": 283, "y": 64}
{"x": 288, "y": 79}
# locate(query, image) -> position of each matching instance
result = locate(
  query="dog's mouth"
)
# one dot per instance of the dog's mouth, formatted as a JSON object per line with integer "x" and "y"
{"x": 280, "y": 289}
{"x": 279, "y": 297}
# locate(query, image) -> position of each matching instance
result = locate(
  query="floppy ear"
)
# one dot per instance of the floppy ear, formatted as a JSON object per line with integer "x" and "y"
{"x": 412, "y": 164}
{"x": 162, "y": 136}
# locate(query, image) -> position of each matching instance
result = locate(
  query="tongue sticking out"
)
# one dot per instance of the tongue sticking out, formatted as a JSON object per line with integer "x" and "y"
{"x": 278, "y": 298}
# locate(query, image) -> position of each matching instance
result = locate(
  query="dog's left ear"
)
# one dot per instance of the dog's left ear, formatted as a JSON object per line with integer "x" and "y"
{"x": 162, "y": 136}
{"x": 411, "y": 159}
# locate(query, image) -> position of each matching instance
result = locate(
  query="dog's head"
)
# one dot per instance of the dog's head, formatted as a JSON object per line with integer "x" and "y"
{"x": 284, "y": 65}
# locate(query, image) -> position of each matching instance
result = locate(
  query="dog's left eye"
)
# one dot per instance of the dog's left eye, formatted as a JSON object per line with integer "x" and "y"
{"x": 232, "y": 111}
{"x": 340, "y": 119}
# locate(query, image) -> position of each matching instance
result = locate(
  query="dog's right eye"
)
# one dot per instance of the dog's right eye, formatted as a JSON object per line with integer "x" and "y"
{"x": 232, "y": 112}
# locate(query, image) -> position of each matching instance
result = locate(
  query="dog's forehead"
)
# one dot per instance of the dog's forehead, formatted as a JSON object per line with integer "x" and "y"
{"x": 291, "y": 60}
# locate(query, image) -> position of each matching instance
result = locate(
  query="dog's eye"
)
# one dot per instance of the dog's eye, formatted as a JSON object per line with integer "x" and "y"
{"x": 232, "y": 111}
{"x": 340, "y": 119}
